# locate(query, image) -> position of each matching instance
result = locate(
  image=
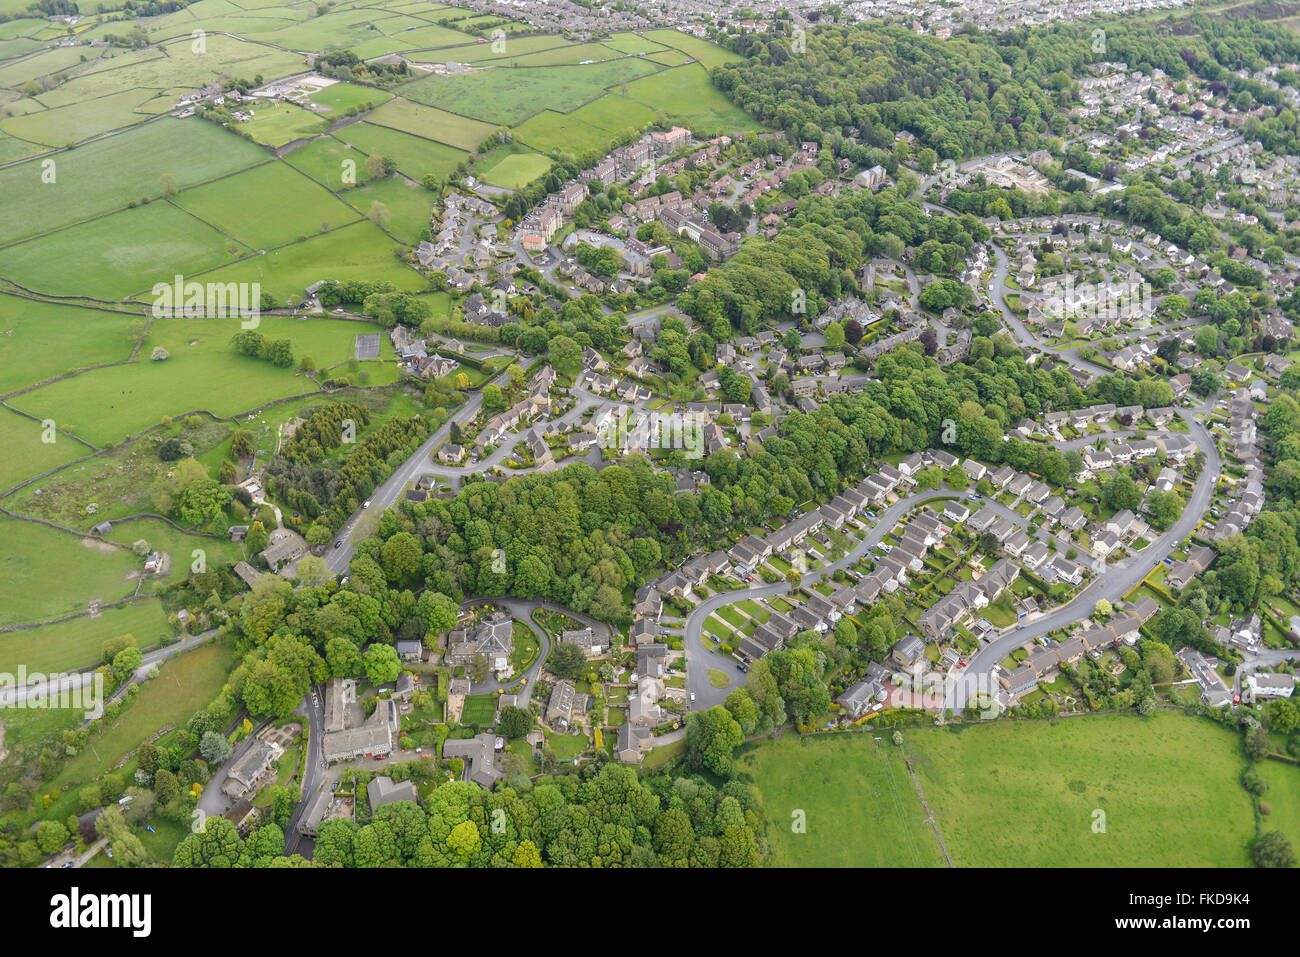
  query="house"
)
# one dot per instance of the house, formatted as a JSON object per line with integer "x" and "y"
{"x": 559, "y": 709}
{"x": 634, "y": 740}
{"x": 492, "y": 637}
{"x": 383, "y": 790}
{"x": 907, "y": 652}
{"x": 1270, "y": 685}
{"x": 408, "y": 650}
{"x": 479, "y": 754}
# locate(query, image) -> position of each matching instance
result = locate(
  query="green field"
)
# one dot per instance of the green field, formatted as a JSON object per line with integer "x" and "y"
{"x": 507, "y": 95}
{"x": 459, "y": 131}
{"x": 119, "y": 255}
{"x": 108, "y": 174}
{"x": 105, "y": 405}
{"x": 1016, "y": 793}
{"x": 330, "y": 162}
{"x": 701, "y": 50}
{"x": 340, "y": 97}
{"x": 267, "y": 206}
{"x": 856, "y": 797}
{"x": 276, "y": 124}
{"x": 414, "y": 156}
{"x": 359, "y": 251}
{"x": 184, "y": 684}
{"x": 685, "y": 95}
{"x": 28, "y": 451}
{"x": 76, "y": 643}
{"x": 513, "y": 167}
{"x": 47, "y": 573}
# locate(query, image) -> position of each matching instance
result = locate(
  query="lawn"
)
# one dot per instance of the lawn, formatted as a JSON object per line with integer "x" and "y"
{"x": 480, "y": 709}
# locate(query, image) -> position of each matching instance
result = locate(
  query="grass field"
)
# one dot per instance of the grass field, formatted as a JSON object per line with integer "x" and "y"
{"x": 105, "y": 405}
{"x": 359, "y": 251}
{"x": 340, "y": 97}
{"x": 408, "y": 205}
{"x": 118, "y": 255}
{"x": 507, "y": 96}
{"x": 414, "y": 156}
{"x": 701, "y": 50}
{"x": 685, "y": 95}
{"x": 28, "y": 451}
{"x": 184, "y": 684}
{"x": 855, "y": 796}
{"x": 433, "y": 124}
{"x": 47, "y": 573}
{"x": 110, "y": 173}
{"x": 513, "y": 166}
{"x": 272, "y": 204}
{"x": 326, "y": 160}
{"x": 279, "y": 123}
{"x": 76, "y": 643}
{"x": 1020, "y": 793}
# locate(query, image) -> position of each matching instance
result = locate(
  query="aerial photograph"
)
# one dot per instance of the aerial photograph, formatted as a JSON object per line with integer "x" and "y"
{"x": 700, "y": 434}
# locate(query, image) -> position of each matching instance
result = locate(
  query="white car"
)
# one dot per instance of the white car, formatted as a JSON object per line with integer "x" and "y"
{"x": 366, "y": 503}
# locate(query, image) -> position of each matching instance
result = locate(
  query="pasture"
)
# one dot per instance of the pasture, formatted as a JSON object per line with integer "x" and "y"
{"x": 267, "y": 206}
{"x": 359, "y": 251}
{"x": 48, "y": 573}
{"x": 42, "y": 339}
{"x": 460, "y": 132}
{"x": 513, "y": 167}
{"x": 76, "y": 643}
{"x": 414, "y": 156}
{"x": 119, "y": 255}
{"x": 1018, "y": 793}
{"x": 507, "y": 96}
{"x": 106, "y": 175}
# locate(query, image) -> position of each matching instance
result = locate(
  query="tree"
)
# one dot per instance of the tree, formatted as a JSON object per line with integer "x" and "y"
{"x": 1274, "y": 850}
{"x": 1257, "y": 743}
{"x": 566, "y": 660}
{"x": 215, "y": 749}
{"x": 515, "y": 722}
{"x": 50, "y": 836}
{"x": 712, "y": 737}
{"x": 381, "y": 663}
